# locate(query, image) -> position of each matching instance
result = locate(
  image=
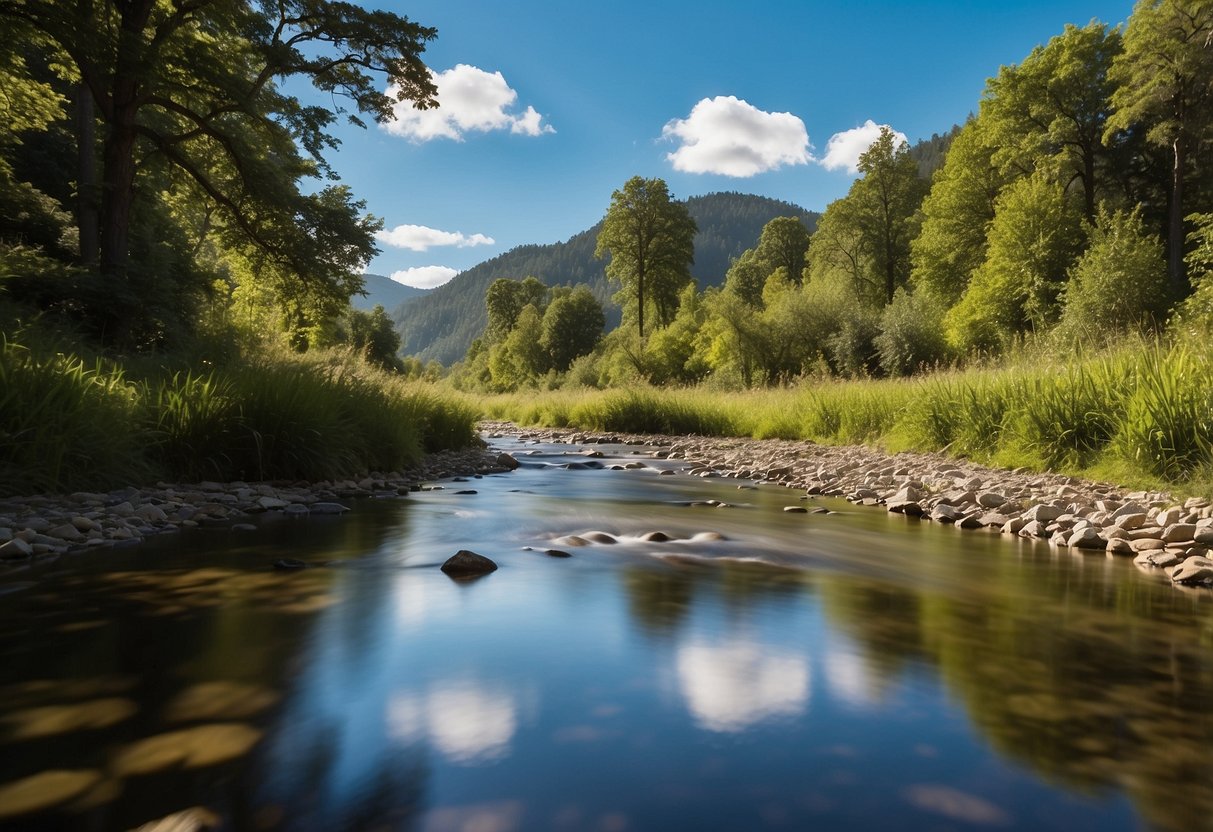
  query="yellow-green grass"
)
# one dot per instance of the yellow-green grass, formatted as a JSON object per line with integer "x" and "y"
{"x": 1141, "y": 414}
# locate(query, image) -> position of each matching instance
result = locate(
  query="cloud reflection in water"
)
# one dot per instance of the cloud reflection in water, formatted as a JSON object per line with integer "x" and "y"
{"x": 460, "y": 719}
{"x": 732, "y": 686}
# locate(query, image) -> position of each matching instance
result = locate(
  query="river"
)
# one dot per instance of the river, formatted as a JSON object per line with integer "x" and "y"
{"x": 849, "y": 670}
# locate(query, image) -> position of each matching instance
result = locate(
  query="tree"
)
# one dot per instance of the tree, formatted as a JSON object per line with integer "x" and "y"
{"x": 1164, "y": 84}
{"x": 746, "y": 277}
{"x": 194, "y": 84}
{"x": 572, "y": 326}
{"x": 505, "y": 299}
{"x": 956, "y": 215}
{"x": 1051, "y": 110}
{"x": 373, "y": 335}
{"x": 650, "y": 239}
{"x": 784, "y": 242}
{"x": 1037, "y": 233}
{"x": 1119, "y": 283}
{"x": 870, "y": 231}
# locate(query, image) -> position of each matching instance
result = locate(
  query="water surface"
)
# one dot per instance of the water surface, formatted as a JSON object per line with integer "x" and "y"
{"x": 849, "y": 670}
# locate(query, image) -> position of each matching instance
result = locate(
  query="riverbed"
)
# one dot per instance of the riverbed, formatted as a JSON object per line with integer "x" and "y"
{"x": 759, "y": 669}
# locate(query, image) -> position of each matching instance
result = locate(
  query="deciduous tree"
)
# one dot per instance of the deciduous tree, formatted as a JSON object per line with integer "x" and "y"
{"x": 650, "y": 239}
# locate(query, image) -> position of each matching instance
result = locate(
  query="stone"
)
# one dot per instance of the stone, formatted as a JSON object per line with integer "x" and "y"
{"x": 151, "y": 513}
{"x": 656, "y": 537}
{"x": 16, "y": 549}
{"x": 66, "y": 532}
{"x": 1171, "y": 515}
{"x": 1117, "y": 546}
{"x": 1178, "y": 532}
{"x": 1043, "y": 513}
{"x": 1133, "y": 520}
{"x": 1146, "y": 544}
{"x": 289, "y": 563}
{"x": 990, "y": 499}
{"x": 556, "y": 553}
{"x": 1193, "y": 570}
{"x": 328, "y": 508}
{"x": 1087, "y": 538}
{"x": 1034, "y": 528}
{"x": 271, "y": 503}
{"x": 467, "y": 564}
{"x": 795, "y": 509}
{"x": 599, "y": 537}
{"x": 944, "y": 513}
{"x": 297, "y": 510}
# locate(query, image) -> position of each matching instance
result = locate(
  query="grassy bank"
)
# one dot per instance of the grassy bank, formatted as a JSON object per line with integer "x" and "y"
{"x": 1142, "y": 413}
{"x": 71, "y": 422}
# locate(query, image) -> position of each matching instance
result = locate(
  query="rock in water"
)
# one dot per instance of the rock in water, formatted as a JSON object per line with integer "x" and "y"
{"x": 507, "y": 461}
{"x": 556, "y": 553}
{"x": 289, "y": 563}
{"x": 464, "y": 563}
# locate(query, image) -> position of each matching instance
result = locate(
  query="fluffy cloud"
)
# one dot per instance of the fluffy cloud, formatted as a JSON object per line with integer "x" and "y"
{"x": 424, "y": 277}
{"x": 423, "y": 238}
{"x": 469, "y": 99}
{"x": 729, "y": 687}
{"x": 843, "y": 149}
{"x": 729, "y": 136}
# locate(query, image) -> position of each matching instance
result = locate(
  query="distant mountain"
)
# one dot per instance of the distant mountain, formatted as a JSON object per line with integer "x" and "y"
{"x": 385, "y": 292}
{"x": 443, "y": 324}
{"x": 930, "y": 153}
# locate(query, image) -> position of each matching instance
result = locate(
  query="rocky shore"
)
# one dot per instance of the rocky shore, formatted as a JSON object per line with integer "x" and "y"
{"x": 1151, "y": 527}
{"x": 43, "y": 527}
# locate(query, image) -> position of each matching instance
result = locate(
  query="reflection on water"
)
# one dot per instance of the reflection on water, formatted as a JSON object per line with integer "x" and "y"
{"x": 731, "y": 686}
{"x": 854, "y": 670}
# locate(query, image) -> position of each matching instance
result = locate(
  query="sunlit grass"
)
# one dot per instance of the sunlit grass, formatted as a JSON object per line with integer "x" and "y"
{"x": 1141, "y": 413}
{"x": 67, "y": 422}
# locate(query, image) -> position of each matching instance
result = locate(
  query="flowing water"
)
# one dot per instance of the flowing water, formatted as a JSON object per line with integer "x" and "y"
{"x": 852, "y": 670}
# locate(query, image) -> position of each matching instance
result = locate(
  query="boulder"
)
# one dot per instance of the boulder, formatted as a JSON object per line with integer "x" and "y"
{"x": 466, "y": 564}
{"x": 1194, "y": 570}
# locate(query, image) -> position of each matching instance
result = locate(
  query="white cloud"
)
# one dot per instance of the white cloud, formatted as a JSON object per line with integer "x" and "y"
{"x": 423, "y": 238}
{"x": 469, "y": 99}
{"x": 729, "y": 136}
{"x": 843, "y": 149}
{"x": 424, "y": 277}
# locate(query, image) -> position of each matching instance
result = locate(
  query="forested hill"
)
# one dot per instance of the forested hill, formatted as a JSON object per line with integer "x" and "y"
{"x": 443, "y": 324}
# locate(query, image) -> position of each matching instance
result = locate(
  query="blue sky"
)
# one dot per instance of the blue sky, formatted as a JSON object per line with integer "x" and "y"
{"x": 553, "y": 105}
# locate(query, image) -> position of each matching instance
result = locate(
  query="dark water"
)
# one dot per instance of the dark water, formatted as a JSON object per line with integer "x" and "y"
{"x": 848, "y": 671}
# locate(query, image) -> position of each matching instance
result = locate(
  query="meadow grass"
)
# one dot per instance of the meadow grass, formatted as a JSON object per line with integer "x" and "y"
{"x": 1141, "y": 413}
{"x": 69, "y": 422}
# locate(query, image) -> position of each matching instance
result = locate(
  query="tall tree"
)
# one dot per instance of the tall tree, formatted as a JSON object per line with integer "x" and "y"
{"x": 956, "y": 215}
{"x": 572, "y": 327}
{"x": 1164, "y": 82}
{"x": 650, "y": 239}
{"x": 195, "y": 83}
{"x": 869, "y": 234}
{"x": 1051, "y": 110}
{"x": 784, "y": 242}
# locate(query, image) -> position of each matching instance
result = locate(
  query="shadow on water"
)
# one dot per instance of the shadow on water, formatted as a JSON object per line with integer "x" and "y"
{"x": 745, "y": 668}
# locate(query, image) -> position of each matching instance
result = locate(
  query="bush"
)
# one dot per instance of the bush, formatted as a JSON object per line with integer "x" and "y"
{"x": 911, "y": 333}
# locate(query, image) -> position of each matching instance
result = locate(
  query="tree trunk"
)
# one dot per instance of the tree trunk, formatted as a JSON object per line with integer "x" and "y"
{"x": 1175, "y": 224}
{"x": 1088, "y": 186}
{"x": 86, "y": 186}
{"x": 118, "y": 158}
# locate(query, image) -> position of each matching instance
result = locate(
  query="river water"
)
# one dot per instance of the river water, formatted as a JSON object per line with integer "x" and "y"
{"x": 851, "y": 670}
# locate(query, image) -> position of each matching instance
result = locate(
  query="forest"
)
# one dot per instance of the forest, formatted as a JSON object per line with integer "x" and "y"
{"x": 175, "y": 249}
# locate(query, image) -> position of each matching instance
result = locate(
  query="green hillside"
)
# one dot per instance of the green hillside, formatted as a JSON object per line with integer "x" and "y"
{"x": 442, "y": 324}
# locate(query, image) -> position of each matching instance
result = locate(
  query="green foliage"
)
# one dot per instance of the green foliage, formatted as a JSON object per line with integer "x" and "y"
{"x": 911, "y": 333}
{"x": 784, "y": 243}
{"x": 652, "y": 411}
{"x": 1049, "y": 112}
{"x": 1036, "y": 235}
{"x": 1119, "y": 284}
{"x": 956, "y": 216}
{"x": 66, "y": 422}
{"x": 572, "y": 326}
{"x": 504, "y": 302}
{"x": 866, "y": 235}
{"x": 372, "y": 335}
{"x": 650, "y": 241}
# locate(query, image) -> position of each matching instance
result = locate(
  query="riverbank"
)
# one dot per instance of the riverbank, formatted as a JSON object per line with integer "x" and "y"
{"x": 39, "y": 528}
{"x": 1151, "y": 527}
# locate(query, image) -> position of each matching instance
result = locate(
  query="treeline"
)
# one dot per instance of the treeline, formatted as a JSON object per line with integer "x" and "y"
{"x": 1076, "y": 206}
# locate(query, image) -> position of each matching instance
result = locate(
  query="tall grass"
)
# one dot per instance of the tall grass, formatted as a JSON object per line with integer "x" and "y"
{"x": 66, "y": 423}
{"x": 1145, "y": 409}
